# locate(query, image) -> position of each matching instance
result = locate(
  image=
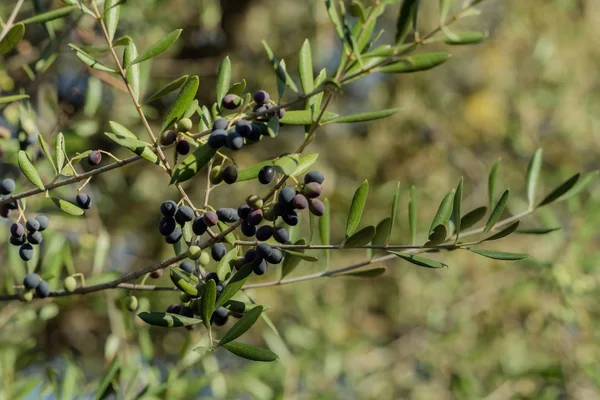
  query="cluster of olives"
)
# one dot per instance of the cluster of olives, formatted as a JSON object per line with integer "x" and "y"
{"x": 173, "y": 216}
{"x": 176, "y": 134}
{"x": 34, "y": 283}
{"x": 28, "y": 235}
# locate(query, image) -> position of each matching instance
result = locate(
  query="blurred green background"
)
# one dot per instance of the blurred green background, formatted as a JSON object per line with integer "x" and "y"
{"x": 480, "y": 329}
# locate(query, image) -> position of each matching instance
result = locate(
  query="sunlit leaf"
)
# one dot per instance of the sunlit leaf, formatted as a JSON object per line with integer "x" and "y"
{"x": 304, "y": 117}
{"x": 445, "y": 7}
{"x": 49, "y": 16}
{"x": 234, "y": 285}
{"x": 207, "y": 303}
{"x": 420, "y": 261}
{"x": 365, "y": 273}
{"x": 499, "y": 255}
{"x": 167, "y": 320}
{"x": 282, "y": 74}
{"x": 59, "y": 148}
{"x": 533, "y": 176}
{"x": 242, "y": 325}
{"x": 170, "y": 87}
{"x": 304, "y": 164}
{"x": 325, "y": 228}
{"x": 111, "y": 17}
{"x": 184, "y": 98}
{"x": 305, "y": 68}
{"x": 230, "y": 237}
{"x": 184, "y": 281}
{"x": 250, "y": 352}
{"x": 287, "y": 164}
{"x": 192, "y": 164}
{"x": 10, "y": 41}
{"x": 89, "y": 60}
{"x": 406, "y": 20}
{"x": 158, "y": 47}
{"x": 442, "y": 216}
{"x": 12, "y": 99}
{"x": 224, "y": 266}
{"x": 356, "y": 208}
{"x": 29, "y": 170}
{"x": 367, "y": 116}
{"x": 133, "y": 70}
{"x": 46, "y": 151}
{"x": 223, "y": 79}
{"x": 464, "y": 38}
{"x": 335, "y": 18}
{"x": 496, "y": 212}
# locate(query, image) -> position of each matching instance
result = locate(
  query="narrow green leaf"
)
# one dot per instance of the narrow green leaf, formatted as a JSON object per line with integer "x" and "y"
{"x": 412, "y": 215}
{"x": 273, "y": 126}
{"x": 304, "y": 164}
{"x": 394, "y": 212}
{"x": 420, "y": 261}
{"x": 167, "y": 320}
{"x": 325, "y": 229}
{"x": 67, "y": 207}
{"x": 300, "y": 255}
{"x": 472, "y": 217}
{"x": 356, "y": 208}
{"x": 437, "y": 236}
{"x": 59, "y": 150}
{"x": 580, "y": 185}
{"x": 445, "y": 7}
{"x": 360, "y": 238}
{"x": 305, "y": 68}
{"x": 496, "y": 212}
{"x": 537, "y": 231}
{"x": 49, "y": 16}
{"x": 304, "y": 117}
{"x": 457, "y": 207}
{"x": 29, "y": 170}
{"x": 367, "y": 116}
{"x": 279, "y": 68}
{"x": 111, "y": 17}
{"x": 442, "y": 216}
{"x": 158, "y": 47}
{"x": 561, "y": 190}
{"x": 504, "y": 232}
{"x": 499, "y": 255}
{"x": 133, "y": 70}
{"x": 12, "y": 99}
{"x": 170, "y": 87}
{"x": 250, "y": 352}
{"x": 207, "y": 303}
{"x": 11, "y": 40}
{"x": 366, "y": 273}
{"x": 89, "y": 60}
{"x": 238, "y": 88}
{"x": 335, "y": 18}
{"x": 287, "y": 164}
{"x": 406, "y": 20}
{"x": 192, "y": 164}
{"x": 107, "y": 378}
{"x": 492, "y": 182}
{"x": 184, "y": 281}
{"x": 291, "y": 261}
{"x": 223, "y": 79}
{"x": 533, "y": 176}
{"x": 416, "y": 63}
{"x": 230, "y": 237}
{"x": 184, "y": 98}
{"x": 242, "y": 325}
{"x": 224, "y": 266}
{"x": 382, "y": 232}
{"x": 127, "y": 139}
{"x": 464, "y": 38}
{"x": 46, "y": 151}
{"x": 234, "y": 285}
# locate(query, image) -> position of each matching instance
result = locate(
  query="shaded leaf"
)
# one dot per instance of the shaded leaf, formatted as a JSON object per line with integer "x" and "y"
{"x": 11, "y": 99}
{"x": 207, "y": 303}
{"x": 46, "y": 151}
{"x": 442, "y": 216}
{"x": 360, "y": 238}
{"x": 133, "y": 71}
{"x": 184, "y": 281}
{"x": 356, "y": 208}
{"x": 406, "y": 20}
{"x": 29, "y": 170}
{"x": 107, "y": 378}
{"x": 496, "y": 212}
{"x": 279, "y": 68}
{"x": 383, "y": 231}
{"x": 9, "y": 42}
{"x": 533, "y": 176}
{"x": 234, "y": 285}
{"x": 273, "y": 126}
{"x": 504, "y": 232}
{"x": 463, "y": 38}
{"x": 457, "y": 207}
{"x": 366, "y": 273}
{"x": 192, "y": 164}
{"x": 291, "y": 261}
{"x": 420, "y": 261}
{"x": 437, "y": 236}
{"x": 127, "y": 139}
{"x": 499, "y": 255}
{"x": 242, "y": 325}
{"x": 59, "y": 150}
{"x": 230, "y": 237}
{"x": 304, "y": 117}
{"x": 580, "y": 185}
{"x": 445, "y": 7}
{"x": 237, "y": 88}
{"x": 335, "y": 18}
{"x": 184, "y": 99}
{"x": 49, "y": 16}
{"x": 89, "y": 60}
{"x": 111, "y": 17}
{"x": 537, "y": 231}
{"x": 492, "y": 182}
{"x": 287, "y": 164}
{"x": 304, "y": 164}
{"x": 300, "y": 255}
{"x": 170, "y": 87}
{"x": 250, "y": 352}
{"x": 305, "y": 68}
{"x": 224, "y": 266}
{"x": 158, "y": 47}
{"x": 416, "y": 63}
{"x": 412, "y": 214}
{"x": 223, "y": 79}
{"x": 472, "y": 217}
{"x": 167, "y": 320}
{"x": 367, "y": 116}
{"x": 560, "y": 190}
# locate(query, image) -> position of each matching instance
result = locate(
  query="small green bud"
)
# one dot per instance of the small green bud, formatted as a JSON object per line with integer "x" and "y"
{"x": 69, "y": 284}
{"x": 26, "y": 296}
{"x": 204, "y": 258}
{"x": 131, "y": 302}
{"x": 216, "y": 175}
{"x": 194, "y": 252}
{"x": 254, "y": 201}
{"x": 184, "y": 125}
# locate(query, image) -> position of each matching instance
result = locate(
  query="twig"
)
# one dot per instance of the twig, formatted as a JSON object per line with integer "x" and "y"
{"x": 11, "y": 19}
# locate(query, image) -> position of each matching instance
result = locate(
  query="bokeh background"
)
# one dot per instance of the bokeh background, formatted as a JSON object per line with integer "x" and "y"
{"x": 480, "y": 329}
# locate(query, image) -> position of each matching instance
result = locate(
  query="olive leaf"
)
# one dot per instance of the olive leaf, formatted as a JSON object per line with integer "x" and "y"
{"x": 287, "y": 164}
{"x": 499, "y": 255}
{"x": 504, "y": 232}
{"x": 407, "y": 20}
{"x": 111, "y": 17}
{"x": 230, "y": 237}
{"x": 223, "y": 79}
{"x": 167, "y": 320}
{"x": 250, "y": 352}
{"x": 279, "y": 68}
{"x": 382, "y": 232}
{"x": 412, "y": 214}
{"x": 420, "y": 261}
{"x": 304, "y": 164}
{"x": 442, "y": 216}
{"x": 49, "y": 16}
{"x": 234, "y": 285}
{"x": 29, "y": 170}
{"x": 133, "y": 70}
{"x": 9, "y": 42}
{"x": 107, "y": 378}
{"x": 192, "y": 164}
{"x": 242, "y": 325}
{"x": 472, "y": 217}
{"x": 59, "y": 150}
{"x": 492, "y": 182}
{"x": 533, "y": 176}
{"x": 416, "y": 63}
{"x": 300, "y": 255}
{"x": 46, "y": 151}
{"x": 224, "y": 266}
{"x": 562, "y": 190}
{"x": 207, "y": 303}
{"x": 168, "y": 88}
{"x": 12, "y": 99}
{"x": 366, "y": 116}
{"x": 360, "y": 238}
{"x": 182, "y": 101}
{"x": 496, "y": 212}
{"x": 335, "y": 18}
{"x": 356, "y": 208}
{"x": 158, "y": 47}
{"x": 184, "y": 281}
{"x": 89, "y": 60}
{"x": 305, "y": 68}
{"x": 291, "y": 260}
{"x": 126, "y": 138}
{"x": 464, "y": 38}
{"x": 365, "y": 273}
{"x": 304, "y": 117}
{"x": 457, "y": 207}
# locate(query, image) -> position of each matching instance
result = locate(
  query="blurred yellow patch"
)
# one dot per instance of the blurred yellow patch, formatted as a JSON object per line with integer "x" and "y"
{"x": 485, "y": 111}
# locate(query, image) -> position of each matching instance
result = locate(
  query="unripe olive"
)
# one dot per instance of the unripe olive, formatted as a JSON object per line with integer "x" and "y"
{"x": 184, "y": 125}
{"x": 194, "y": 252}
{"x": 131, "y": 302}
{"x": 26, "y": 296}
{"x": 254, "y": 201}
{"x": 69, "y": 284}
{"x": 216, "y": 175}
{"x": 204, "y": 258}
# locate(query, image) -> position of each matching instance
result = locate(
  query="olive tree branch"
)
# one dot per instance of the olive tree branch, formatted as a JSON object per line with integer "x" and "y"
{"x": 11, "y": 19}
